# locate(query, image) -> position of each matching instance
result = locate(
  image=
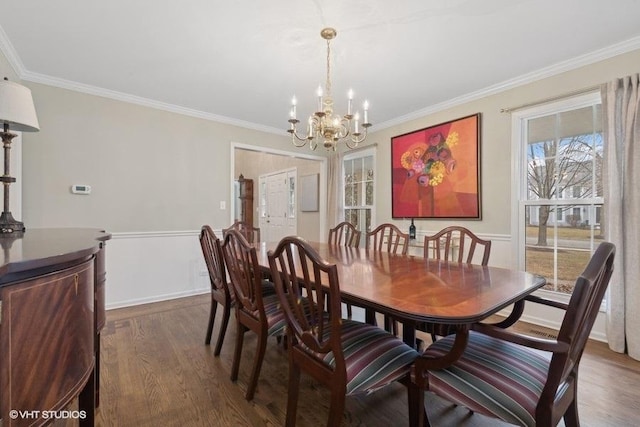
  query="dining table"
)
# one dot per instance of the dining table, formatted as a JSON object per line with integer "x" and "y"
{"x": 414, "y": 290}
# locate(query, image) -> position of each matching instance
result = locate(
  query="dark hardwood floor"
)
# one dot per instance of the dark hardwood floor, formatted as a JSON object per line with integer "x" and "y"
{"x": 156, "y": 371}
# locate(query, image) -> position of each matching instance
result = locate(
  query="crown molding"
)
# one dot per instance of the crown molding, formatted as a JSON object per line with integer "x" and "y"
{"x": 555, "y": 69}
{"x": 23, "y": 74}
{"x": 10, "y": 53}
{"x": 145, "y": 102}
{"x": 16, "y": 63}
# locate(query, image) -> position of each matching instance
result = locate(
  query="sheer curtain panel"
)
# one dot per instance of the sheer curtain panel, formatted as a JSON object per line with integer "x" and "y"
{"x": 335, "y": 202}
{"x": 621, "y": 108}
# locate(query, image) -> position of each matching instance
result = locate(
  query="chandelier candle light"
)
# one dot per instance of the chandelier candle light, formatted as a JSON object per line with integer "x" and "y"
{"x": 324, "y": 125}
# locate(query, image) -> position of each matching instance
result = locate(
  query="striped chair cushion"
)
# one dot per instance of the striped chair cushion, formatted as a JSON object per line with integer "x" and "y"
{"x": 493, "y": 377}
{"x": 268, "y": 287}
{"x": 373, "y": 357}
{"x": 275, "y": 316}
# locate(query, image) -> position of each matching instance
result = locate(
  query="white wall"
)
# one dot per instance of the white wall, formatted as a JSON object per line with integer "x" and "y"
{"x": 150, "y": 170}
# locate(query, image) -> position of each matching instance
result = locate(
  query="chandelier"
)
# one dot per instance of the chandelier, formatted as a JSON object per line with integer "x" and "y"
{"x": 324, "y": 125}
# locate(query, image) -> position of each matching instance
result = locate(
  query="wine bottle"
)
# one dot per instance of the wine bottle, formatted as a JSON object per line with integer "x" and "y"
{"x": 412, "y": 230}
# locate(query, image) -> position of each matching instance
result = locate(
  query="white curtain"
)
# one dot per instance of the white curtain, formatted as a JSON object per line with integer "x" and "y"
{"x": 621, "y": 111}
{"x": 335, "y": 202}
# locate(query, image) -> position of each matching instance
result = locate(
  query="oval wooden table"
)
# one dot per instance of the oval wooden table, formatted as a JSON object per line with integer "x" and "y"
{"x": 414, "y": 289}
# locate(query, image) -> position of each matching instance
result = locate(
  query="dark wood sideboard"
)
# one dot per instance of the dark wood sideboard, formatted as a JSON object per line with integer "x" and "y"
{"x": 52, "y": 309}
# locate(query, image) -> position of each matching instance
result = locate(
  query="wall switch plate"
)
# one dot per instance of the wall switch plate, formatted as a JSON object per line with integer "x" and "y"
{"x": 223, "y": 205}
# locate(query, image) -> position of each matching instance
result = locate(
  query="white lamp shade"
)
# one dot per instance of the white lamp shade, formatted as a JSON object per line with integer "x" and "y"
{"x": 16, "y": 107}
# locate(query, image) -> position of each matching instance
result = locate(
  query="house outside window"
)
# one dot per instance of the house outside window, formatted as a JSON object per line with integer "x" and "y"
{"x": 358, "y": 177}
{"x": 558, "y": 150}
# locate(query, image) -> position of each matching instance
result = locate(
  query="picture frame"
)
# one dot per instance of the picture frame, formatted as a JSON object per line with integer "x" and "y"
{"x": 435, "y": 171}
{"x": 309, "y": 193}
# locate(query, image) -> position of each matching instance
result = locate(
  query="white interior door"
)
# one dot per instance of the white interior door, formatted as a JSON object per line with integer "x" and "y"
{"x": 277, "y": 218}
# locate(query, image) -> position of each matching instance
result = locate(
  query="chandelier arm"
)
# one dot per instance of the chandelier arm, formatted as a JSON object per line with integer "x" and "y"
{"x": 298, "y": 144}
{"x": 357, "y": 138}
{"x": 345, "y": 125}
{"x": 294, "y": 135}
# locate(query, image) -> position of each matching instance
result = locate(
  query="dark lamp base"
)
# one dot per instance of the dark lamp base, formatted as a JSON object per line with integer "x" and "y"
{"x": 10, "y": 225}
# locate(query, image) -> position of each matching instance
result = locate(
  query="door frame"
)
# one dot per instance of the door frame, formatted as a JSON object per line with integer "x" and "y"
{"x": 323, "y": 178}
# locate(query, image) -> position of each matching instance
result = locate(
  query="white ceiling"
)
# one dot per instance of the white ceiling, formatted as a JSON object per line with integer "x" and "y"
{"x": 241, "y": 61}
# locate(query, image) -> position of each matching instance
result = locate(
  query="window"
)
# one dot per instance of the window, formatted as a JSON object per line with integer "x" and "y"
{"x": 358, "y": 177}
{"x": 577, "y": 191}
{"x": 558, "y": 150}
{"x": 263, "y": 197}
{"x": 291, "y": 196}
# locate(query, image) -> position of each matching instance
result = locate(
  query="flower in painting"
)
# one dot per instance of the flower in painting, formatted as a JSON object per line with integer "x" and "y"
{"x": 432, "y": 160}
{"x": 418, "y": 165}
{"x": 452, "y": 139}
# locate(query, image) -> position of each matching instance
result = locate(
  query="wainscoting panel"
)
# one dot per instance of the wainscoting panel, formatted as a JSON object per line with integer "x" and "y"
{"x": 154, "y": 266}
{"x": 157, "y": 266}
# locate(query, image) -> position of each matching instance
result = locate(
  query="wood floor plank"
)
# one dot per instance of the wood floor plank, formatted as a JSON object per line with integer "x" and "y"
{"x": 156, "y": 371}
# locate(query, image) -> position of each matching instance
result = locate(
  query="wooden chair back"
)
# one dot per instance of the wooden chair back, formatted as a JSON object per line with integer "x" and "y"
{"x": 256, "y": 303}
{"x": 214, "y": 260}
{"x": 250, "y": 233}
{"x": 220, "y": 292}
{"x": 244, "y": 271}
{"x": 345, "y": 234}
{"x": 389, "y": 238}
{"x": 347, "y": 356}
{"x": 456, "y": 244}
{"x": 581, "y": 313}
{"x": 296, "y": 268}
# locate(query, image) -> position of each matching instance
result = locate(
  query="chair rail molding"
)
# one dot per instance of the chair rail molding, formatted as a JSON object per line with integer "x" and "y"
{"x": 152, "y": 266}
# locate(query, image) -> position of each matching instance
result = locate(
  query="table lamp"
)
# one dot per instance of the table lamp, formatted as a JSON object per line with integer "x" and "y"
{"x": 17, "y": 113}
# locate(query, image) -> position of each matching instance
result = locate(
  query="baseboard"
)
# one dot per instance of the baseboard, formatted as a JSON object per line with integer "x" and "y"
{"x": 549, "y": 324}
{"x": 157, "y": 298}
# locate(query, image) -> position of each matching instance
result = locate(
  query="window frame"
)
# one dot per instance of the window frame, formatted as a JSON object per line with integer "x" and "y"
{"x": 350, "y": 156}
{"x": 521, "y": 202}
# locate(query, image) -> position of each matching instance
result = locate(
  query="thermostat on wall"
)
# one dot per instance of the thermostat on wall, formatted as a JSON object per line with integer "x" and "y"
{"x": 81, "y": 189}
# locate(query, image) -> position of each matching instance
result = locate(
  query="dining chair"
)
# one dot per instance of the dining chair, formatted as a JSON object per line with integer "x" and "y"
{"x": 251, "y": 233}
{"x": 388, "y": 238}
{"x": 257, "y": 305}
{"x": 220, "y": 292}
{"x": 527, "y": 381}
{"x": 345, "y": 234}
{"x": 347, "y": 356}
{"x": 456, "y": 244}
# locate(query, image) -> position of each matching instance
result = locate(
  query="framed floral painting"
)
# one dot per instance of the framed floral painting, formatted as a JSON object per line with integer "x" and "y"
{"x": 435, "y": 171}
